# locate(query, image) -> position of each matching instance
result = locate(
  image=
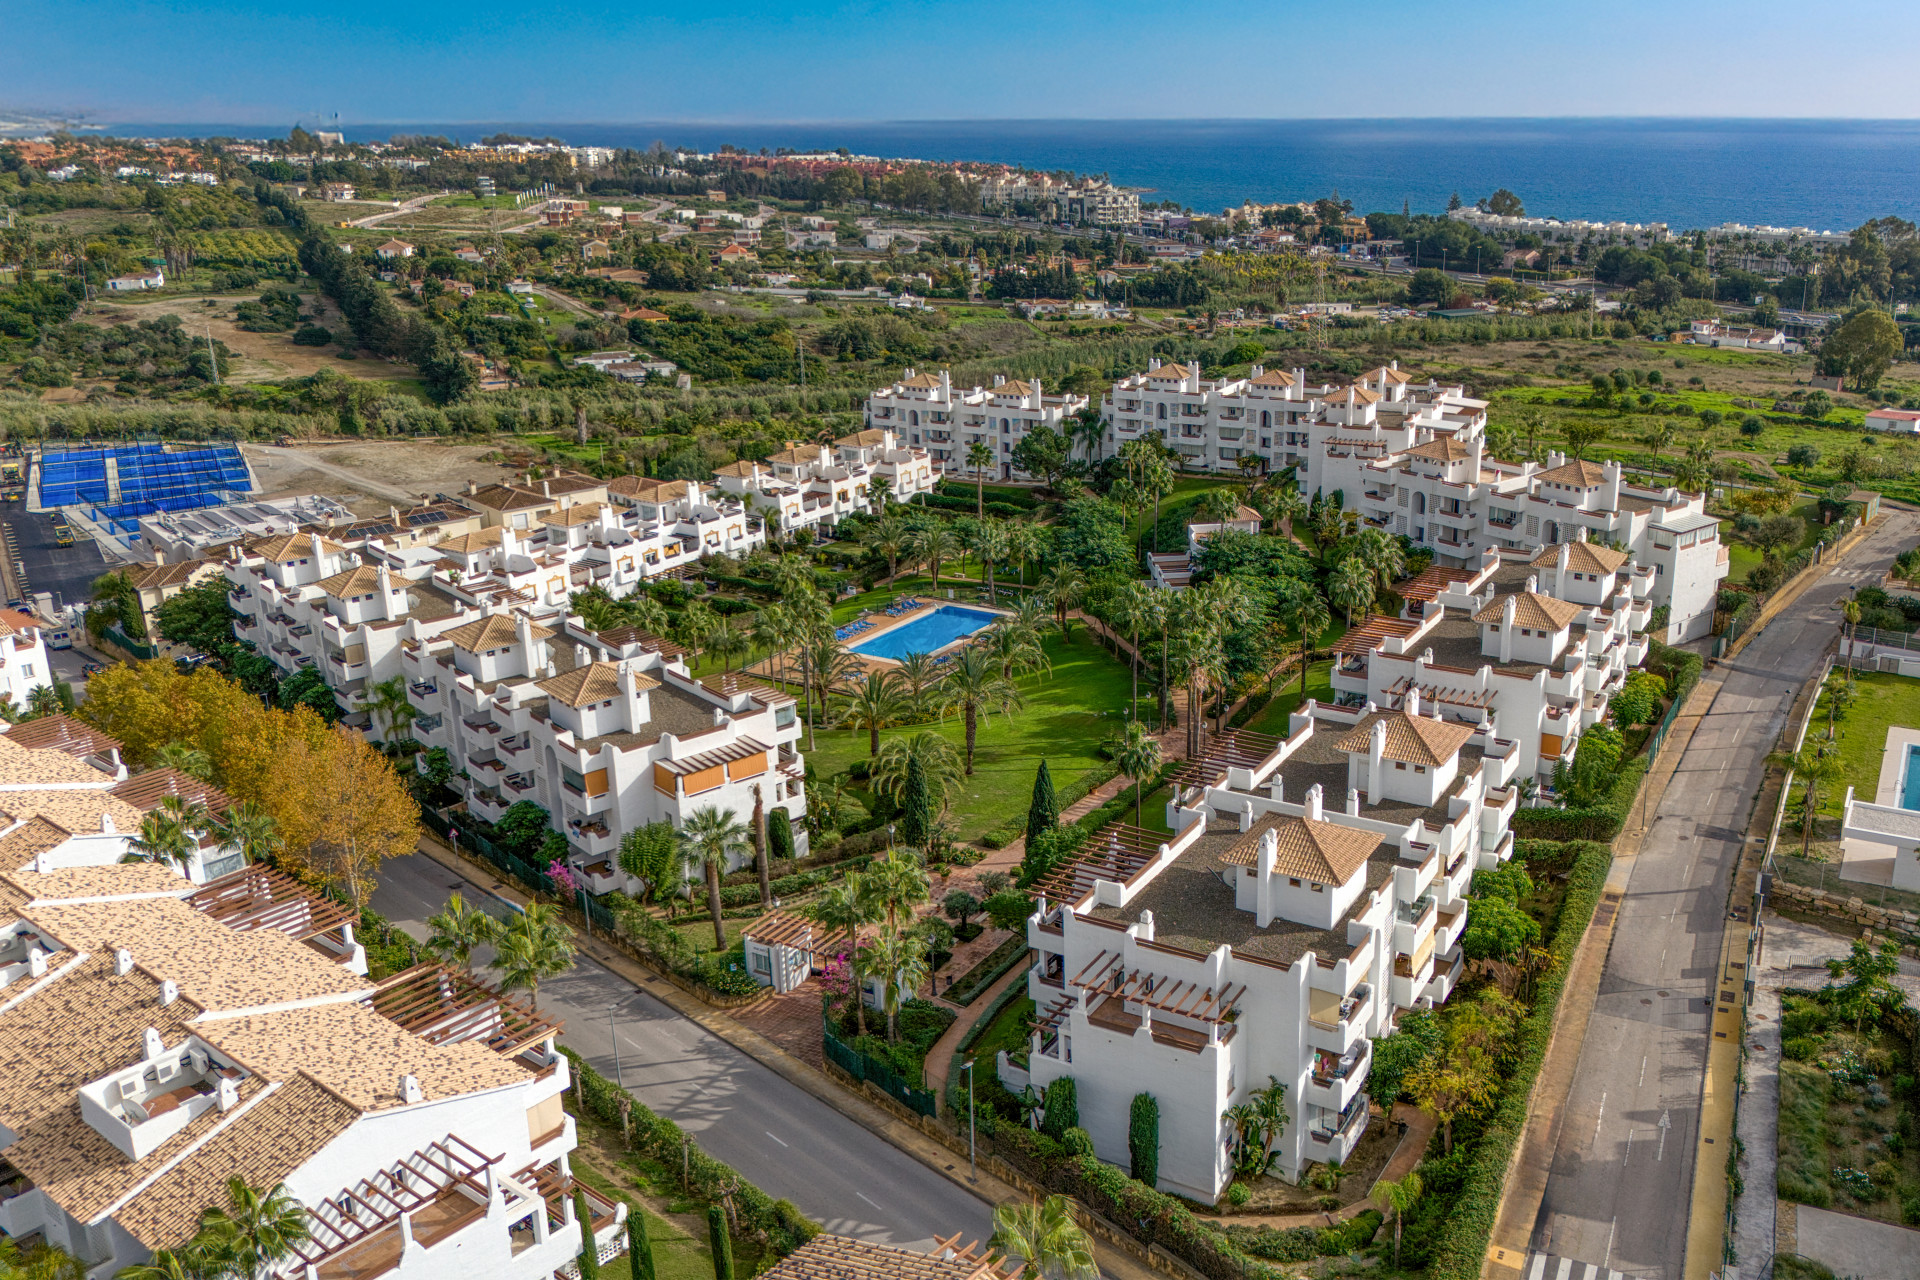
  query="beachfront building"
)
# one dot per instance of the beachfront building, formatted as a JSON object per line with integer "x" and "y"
{"x": 810, "y": 485}
{"x": 605, "y": 731}
{"x": 925, "y": 409}
{"x": 175, "y": 1037}
{"x": 1315, "y": 887}
{"x": 1530, "y": 647}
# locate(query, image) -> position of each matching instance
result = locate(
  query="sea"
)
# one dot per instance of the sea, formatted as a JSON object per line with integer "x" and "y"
{"x": 1687, "y": 173}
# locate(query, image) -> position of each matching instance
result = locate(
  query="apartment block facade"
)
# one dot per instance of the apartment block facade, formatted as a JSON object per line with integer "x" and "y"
{"x": 1315, "y": 887}
{"x": 926, "y": 410}
{"x": 814, "y": 485}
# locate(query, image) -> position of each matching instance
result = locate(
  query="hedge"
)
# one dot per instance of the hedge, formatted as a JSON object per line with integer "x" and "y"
{"x": 965, "y": 506}
{"x": 988, "y": 971}
{"x": 1595, "y": 822}
{"x": 1460, "y": 1248}
{"x": 661, "y": 1139}
{"x": 959, "y": 489}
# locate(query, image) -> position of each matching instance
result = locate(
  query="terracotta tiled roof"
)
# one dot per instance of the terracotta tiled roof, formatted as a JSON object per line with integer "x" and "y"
{"x": 1321, "y": 852}
{"x": 276, "y": 1136}
{"x": 509, "y": 497}
{"x": 1015, "y": 387}
{"x": 1368, "y": 635}
{"x": 357, "y": 581}
{"x": 288, "y": 546}
{"x": 595, "y": 682}
{"x": 24, "y": 766}
{"x": 1432, "y": 581}
{"x": 1531, "y": 609}
{"x": 19, "y": 847}
{"x": 779, "y": 929}
{"x": 1582, "y": 557}
{"x": 77, "y": 811}
{"x": 495, "y": 631}
{"x": 862, "y": 439}
{"x": 844, "y": 1258}
{"x": 794, "y": 457}
{"x": 1414, "y": 739}
{"x": 149, "y": 576}
{"x": 564, "y": 482}
{"x": 145, "y": 791}
{"x": 741, "y": 470}
{"x": 1384, "y": 374}
{"x": 1579, "y": 474}
{"x": 1354, "y": 395}
{"x": 578, "y": 513}
{"x": 1445, "y": 449}
{"x": 62, "y": 733}
{"x": 468, "y": 543}
{"x": 1171, "y": 372}
{"x": 647, "y": 488}
{"x": 1273, "y": 378}
{"x": 922, "y": 382}
{"x": 127, "y": 879}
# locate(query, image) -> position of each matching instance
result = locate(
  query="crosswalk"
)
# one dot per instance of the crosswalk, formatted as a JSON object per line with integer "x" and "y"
{"x": 1546, "y": 1266}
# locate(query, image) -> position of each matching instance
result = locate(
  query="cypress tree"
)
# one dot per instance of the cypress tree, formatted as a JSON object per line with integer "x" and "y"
{"x": 720, "y": 1242}
{"x": 640, "y": 1245}
{"x": 1062, "y": 1105}
{"x": 916, "y": 807}
{"x": 1043, "y": 813}
{"x": 780, "y": 834}
{"x": 1143, "y": 1138}
{"x": 589, "y": 1251}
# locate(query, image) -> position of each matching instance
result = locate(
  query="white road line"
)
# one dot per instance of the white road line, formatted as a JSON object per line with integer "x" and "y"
{"x": 1610, "y": 1229}
{"x": 1539, "y": 1270}
{"x": 1629, "y": 1155}
{"x": 769, "y": 1133}
{"x": 863, "y": 1195}
{"x": 1602, "y": 1116}
{"x": 1643, "y": 1070}
{"x": 1564, "y": 1270}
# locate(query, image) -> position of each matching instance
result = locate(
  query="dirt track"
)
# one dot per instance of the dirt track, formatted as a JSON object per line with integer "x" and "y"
{"x": 372, "y": 475}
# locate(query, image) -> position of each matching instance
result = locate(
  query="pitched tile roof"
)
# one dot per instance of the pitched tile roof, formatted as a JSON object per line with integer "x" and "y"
{"x": 647, "y": 487}
{"x": 130, "y": 879}
{"x": 844, "y": 1258}
{"x": 1273, "y": 378}
{"x": 1582, "y": 557}
{"x": 1580, "y": 474}
{"x": 20, "y": 846}
{"x": 150, "y": 576}
{"x": 77, "y": 811}
{"x": 468, "y": 543}
{"x": 741, "y": 470}
{"x": 508, "y": 497}
{"x": 277, "y": 1135}
{"x": 862, "y": 439}
{"x": 1414, "y": 739}
{"x": 1355, "y": 395}
{"x": 1531, "y": 609}
{"x": 1383, "y": 373}
{"x": 1445, "y": 449}
{"x": 922, "y": 382}
{"x": 780, "y": 929}
{"x": 358, "y": 580}
{"x": 495, "y": 631}
{"x": 578, "y": 513}
{"x": 21, "y": 765}
{"x": 1171, "y": 372}
{"x": 145, "y": 791}
{"x": 595, "y": 682}
{"x": 282, "y": 546}
{"x": 61, "y": 733}
{"x": 1321, "y": 852}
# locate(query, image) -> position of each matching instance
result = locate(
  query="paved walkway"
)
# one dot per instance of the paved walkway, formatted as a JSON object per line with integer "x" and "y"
{"x": 1859, "y": 1246}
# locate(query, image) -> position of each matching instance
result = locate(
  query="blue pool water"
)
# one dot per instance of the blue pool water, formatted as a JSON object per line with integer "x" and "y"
{"x": 1910, "y": 784}
{"x": 926, "y": 633}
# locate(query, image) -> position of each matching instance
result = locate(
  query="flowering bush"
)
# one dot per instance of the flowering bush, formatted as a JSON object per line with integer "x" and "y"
{"x": 563, "y": 881}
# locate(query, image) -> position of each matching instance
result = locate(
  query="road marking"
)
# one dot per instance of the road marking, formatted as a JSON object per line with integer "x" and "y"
{"x": 1665, "y": 1124}
{"x": 1629, "y": 1155}
{"x": 1602, "y": 1116}
{"x": 863, "y": 1196}
{"x": 1643, "y": 1070}
{"x": 1608, "y": 1264}
{"x": 769, "y": 1133}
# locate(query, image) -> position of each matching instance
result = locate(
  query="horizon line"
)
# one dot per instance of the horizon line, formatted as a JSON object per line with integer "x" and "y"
{"x": 829, "y": 122}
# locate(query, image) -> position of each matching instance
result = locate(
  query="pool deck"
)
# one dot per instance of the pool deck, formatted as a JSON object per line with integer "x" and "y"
{"x": 882, "y": 625}
{"x": 1865, "y": 861}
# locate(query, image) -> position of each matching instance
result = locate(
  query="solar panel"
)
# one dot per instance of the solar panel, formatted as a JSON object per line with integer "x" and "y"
{"x": 419, "y": 518}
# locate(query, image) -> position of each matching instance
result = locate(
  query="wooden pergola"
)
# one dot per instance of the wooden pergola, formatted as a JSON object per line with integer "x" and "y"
{"x": 1236, "y": 748}
{"x": 444, "y": 1005}
{"x": 1106, "y": 975}
{"x": 261, "y": 897}
{"x": 339, "y": 1222}
{"x": 1115, "y": 853}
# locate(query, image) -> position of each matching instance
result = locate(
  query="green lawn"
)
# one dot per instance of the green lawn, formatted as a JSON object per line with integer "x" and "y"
{"x": 1883, "y": 700}
{"x": 1008, "y": 1031}
{"x": 1272, "y": 718}
{"x": 1068, "y": 714}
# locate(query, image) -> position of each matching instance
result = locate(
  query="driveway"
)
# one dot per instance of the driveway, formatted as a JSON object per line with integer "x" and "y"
{"x": 1623, "y": 1166}
{"x": 786, "y": 1140}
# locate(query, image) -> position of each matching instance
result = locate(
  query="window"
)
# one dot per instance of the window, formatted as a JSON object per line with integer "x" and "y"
{"x": 1317, "y": 888}
{"x": 1293, "y": 882}
{"x": 762, "y": 962}
{"x": 1419, "y": 768}
{"x": 1400, "y": 765}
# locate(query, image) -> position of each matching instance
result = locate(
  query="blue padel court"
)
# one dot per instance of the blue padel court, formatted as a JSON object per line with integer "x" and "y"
{"x": 129, "y": 481}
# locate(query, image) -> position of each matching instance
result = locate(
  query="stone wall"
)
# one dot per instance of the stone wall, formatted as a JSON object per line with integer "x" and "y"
{"x": 1851, "y": 908}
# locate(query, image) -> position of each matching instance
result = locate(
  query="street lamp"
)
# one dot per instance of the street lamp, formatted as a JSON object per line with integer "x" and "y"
{"x": 890, "y": 837}
{"x": 967, "y": 1066}
{"x": 619, "y": 1077}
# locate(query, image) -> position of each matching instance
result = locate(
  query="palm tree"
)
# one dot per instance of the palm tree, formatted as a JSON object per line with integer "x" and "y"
{"x": 990, "y": 543}
{"x": 916, "y": 673}
{"x": 888, "y": 538}
{"x": 846, "y": 908}
{"x": 184, "y": 1263}
{"x": 1813, "y": 766}
{"x": 598, "y": 611}
{"x": 1310, "y": 618}
{"x": 115, "y": 601}
{"x": 458, "y": 931}
{"x": 642, "y": 612}
{"x": 939, "y": 762}
{"x": 974, "y": 686}
{"x": 897, "y": 884}
{"x": 44, "y": 701}
{"x": 979, "y": 457}
{"x": 387, "y": 704}
{"x": 250, "y": 829}
{"x": 1286, "y": 507}
{"x": 257, "y": 1230}
{"x": 1134, "y": 607}
{"x": 1218, "y": 505}
{"x": 933, "y": 546}
{"x": 1045, "y": 1240}
{"x": 1382, "y": 553}
{"x": 183, "y": 756}
{"x": 170, "y": 833}
{"x": 1026, "y": 542}
{"x": 726, "y": 643}
{"x": 1137, "y": 755}
{"x": 1015, "y": 648}
{"x": 1063, "y": 589}
{"x": 534, "y": 945}
{"x": 874, "y": 704}
{"x": 1396, "y": 1198}
{"x": 833, "y": 669}
{"x": 711, "y": 839}
{"x": 896, "y": 961}
{"x": 1352, "y": 587}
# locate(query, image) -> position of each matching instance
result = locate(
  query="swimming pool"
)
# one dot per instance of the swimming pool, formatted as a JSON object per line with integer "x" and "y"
{"x": 927, "y": 633}
{"x": 1910, "y": 782}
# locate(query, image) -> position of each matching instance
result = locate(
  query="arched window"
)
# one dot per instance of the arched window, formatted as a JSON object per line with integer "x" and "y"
{"x": 913, "y": 417}
{"x": 1419, "y": 504}
{"x": 1266, "y": 419}
{"x": 1163, "y": 413}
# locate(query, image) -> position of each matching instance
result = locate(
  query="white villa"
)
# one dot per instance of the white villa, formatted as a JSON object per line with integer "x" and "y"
{"x": 927, "y": 410}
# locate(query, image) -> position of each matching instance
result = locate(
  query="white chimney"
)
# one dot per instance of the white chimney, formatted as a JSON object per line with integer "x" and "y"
{"x": 1313, "y": 803}
{"x": 36, "y": 962}
{"x": 43, "y": 863}
{"x": 387, "y": 609}
{"x": 1376, "y": 756}
{"x": 410, "y": 1089}
{"x": 151, "y": 1046}
{"x": 229, "y": 1091}
{"x": 1145, "y": 933}
{"x": 169, "y": 991}
{"x": 1413, "y": 700}
{"x": 1506, "y": 628}
{"x": 123, "y": 962}
{"x": 1560, "y": 568}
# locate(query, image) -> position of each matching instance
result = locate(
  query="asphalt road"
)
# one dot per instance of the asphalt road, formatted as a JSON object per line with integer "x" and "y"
{"x": 68, "y": 572}
{"x": 1622, "y": 1173}
{"x": 782, "y": 1138}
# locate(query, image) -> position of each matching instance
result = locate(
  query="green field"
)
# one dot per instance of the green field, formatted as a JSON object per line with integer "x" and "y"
{"x": 1883, "y": 700}
{"x": 1068, "y": 714}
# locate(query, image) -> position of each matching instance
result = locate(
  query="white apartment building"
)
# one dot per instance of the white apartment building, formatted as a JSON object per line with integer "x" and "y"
{"x": 1412, "y": 460}
{"x": 1638, "y": 234}
{"x": 168, "y": 1038}
{"x": 927, "y": 410}
{"x": 24, "y": 666}
{"x": 814, "y": 485}
{"x": 1316, "y": 887}
{"x": 1531, "y": 648}
{"x": 306, "y": 600}
{"x": 607, "y": 732}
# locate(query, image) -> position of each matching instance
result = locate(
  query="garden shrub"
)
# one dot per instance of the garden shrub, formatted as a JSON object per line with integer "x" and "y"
{"x": 1143, "y": 1139}
{"x": 1062, "y": 1109}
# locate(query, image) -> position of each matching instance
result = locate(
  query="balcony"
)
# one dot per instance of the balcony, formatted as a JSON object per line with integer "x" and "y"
{"x": 1332, "y": 1136}
{"x": 1445, "y": 979}
{"x": 519, "y": 783}
{"x": 1337, "y": 1079}
{"x": 1449, "y": 928}
{"x": 1348, "y": 1027}
{"x": 1409, "y": 979}
{"x": 428, "y": 724}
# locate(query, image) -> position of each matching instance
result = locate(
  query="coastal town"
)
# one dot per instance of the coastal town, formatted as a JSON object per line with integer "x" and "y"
{"x": 943, "y": 720}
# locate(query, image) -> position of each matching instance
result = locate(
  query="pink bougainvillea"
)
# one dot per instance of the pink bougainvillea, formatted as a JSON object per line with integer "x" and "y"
{"x": 563, "y": 879}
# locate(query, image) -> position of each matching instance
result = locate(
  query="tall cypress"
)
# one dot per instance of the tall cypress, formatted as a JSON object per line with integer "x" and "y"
{"x": 1143, "y": 1138}
{"x": 1043, "y": 813}
{"x": 916, "y": 807}
{"x": 720, "y": 1242}
{"x": 640, "y": 1245}
{"x": 589, "y": 1251}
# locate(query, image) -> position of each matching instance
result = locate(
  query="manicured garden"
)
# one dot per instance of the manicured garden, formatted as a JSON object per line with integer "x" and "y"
{"x": 1880, "y": 701}
{"x": 1069, "y": 712}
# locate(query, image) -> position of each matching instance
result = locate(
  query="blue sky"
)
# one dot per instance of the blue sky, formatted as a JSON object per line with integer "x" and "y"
{"x": 224, "y": 61}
